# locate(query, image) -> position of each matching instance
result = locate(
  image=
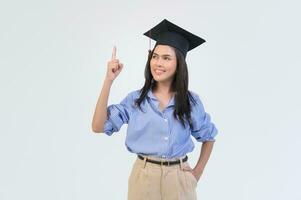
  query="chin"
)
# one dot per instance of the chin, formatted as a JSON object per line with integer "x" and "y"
{"x": 160, "y": 79}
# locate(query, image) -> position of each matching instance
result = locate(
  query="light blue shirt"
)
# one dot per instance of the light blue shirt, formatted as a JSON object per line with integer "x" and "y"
{"x": 155, "y": 132}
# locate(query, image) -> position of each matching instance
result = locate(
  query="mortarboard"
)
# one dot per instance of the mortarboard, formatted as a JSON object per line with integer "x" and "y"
{"x": 167, "y": 33}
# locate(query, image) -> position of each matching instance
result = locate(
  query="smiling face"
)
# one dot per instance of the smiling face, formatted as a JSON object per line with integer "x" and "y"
{"x": 163, "y": 63}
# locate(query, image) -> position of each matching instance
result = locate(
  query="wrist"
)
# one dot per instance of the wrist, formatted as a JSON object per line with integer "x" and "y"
{"x": 108, "y": 81}
{"x": 199, "y": 169}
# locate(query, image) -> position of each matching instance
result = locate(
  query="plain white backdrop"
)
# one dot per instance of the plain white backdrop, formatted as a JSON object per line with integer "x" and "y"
{"x": 53, "y": 57}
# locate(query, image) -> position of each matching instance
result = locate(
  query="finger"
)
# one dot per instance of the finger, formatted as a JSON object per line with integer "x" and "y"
{"x": 187, "y": 169}
{"x": 114, "y": 53}
{"x": 120, "y": 66}
{"x": 115, "y": 68}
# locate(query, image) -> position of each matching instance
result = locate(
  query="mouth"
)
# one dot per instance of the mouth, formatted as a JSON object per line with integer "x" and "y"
{"x": 159, "y": 71}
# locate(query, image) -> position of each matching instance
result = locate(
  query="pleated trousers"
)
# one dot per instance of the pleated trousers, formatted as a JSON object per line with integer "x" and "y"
{"x": 150, "y": 181}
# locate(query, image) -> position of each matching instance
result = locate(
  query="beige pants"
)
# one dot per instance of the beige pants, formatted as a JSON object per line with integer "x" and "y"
{"x": 149, "y": 181}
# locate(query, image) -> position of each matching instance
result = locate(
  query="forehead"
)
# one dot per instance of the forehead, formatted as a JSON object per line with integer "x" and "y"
{"x": 164, "y": 49}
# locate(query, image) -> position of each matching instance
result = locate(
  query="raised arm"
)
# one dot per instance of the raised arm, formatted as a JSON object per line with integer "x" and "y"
{"x": 100, "y": 113}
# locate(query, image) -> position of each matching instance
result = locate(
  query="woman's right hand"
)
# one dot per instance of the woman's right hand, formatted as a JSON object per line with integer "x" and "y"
{"x": 114, "y": 67}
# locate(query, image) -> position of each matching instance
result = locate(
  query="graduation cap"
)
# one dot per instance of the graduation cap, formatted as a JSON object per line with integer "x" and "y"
{"x": 167, "y": 33}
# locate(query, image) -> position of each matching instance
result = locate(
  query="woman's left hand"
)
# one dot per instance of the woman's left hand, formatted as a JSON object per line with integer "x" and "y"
{"x": 195, "y": 173}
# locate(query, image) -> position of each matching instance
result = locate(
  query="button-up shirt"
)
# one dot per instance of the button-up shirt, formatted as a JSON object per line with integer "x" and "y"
{"x": 156, "y": 132}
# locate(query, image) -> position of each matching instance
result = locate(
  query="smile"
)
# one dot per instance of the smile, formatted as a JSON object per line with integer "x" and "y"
{"x": 158, "y": 71}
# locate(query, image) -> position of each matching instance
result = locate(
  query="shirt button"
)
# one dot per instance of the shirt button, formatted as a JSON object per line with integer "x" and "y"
{"x": 165, "y": 138}
{"x": 165, "y": 120}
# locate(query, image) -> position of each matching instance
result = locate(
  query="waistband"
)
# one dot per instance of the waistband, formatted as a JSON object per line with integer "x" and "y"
{"x": 162, "y": 159}
{"x": 161, "y": 162}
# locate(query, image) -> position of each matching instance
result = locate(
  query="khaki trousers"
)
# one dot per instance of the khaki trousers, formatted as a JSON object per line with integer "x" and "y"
{"x": 149, "y": 181}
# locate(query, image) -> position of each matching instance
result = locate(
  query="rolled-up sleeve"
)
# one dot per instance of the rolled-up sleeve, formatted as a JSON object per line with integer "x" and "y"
{"x": 203, "y": 128}
{"x": 117, "y": 115}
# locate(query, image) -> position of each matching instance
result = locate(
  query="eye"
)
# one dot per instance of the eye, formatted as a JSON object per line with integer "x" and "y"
{"x": 154, "y": 56}
{"x": 166, "y": 58}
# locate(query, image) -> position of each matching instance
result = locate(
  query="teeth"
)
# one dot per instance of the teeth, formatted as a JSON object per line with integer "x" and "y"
{"x": 159, "y": 71}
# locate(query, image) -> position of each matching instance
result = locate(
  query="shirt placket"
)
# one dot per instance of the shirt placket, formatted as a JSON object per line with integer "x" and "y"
{"x": 166, "y": 137}
{"x": 163, "y": 114}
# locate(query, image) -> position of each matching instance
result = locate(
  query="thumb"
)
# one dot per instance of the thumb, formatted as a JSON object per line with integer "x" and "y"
{"x": 187, "y": 168}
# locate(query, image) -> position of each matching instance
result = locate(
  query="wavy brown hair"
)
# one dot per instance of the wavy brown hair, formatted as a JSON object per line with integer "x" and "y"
{"x": 179, "y": 86}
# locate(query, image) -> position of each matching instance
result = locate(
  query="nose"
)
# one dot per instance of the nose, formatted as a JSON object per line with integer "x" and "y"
{"x": 159, "y": 62}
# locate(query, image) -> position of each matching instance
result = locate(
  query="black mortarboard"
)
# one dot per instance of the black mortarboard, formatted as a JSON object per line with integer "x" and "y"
{"x": 167, "y": 33}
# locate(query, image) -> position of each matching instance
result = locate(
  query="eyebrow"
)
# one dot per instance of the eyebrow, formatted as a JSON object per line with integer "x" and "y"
{"x": 163, "y": 54}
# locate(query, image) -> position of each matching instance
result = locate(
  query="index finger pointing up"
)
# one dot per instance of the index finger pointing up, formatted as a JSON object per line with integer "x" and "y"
{"x": 114, "y": 53}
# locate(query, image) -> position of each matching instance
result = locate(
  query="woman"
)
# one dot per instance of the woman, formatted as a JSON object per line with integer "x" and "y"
{"x": 161, "y": 118}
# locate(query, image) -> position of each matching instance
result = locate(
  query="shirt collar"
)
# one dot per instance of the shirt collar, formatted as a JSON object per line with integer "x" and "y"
{"x": 153, "y": 97}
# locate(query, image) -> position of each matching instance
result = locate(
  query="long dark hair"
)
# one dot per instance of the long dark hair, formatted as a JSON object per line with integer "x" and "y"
{"x": 179, "y": 85}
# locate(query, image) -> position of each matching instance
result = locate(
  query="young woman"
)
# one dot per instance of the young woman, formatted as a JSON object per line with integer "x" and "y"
{"x": 161, "y": 116}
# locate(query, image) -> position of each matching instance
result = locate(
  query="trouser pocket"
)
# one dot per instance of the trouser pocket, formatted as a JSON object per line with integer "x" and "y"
{"x": 137, "y": 183}
{"x": 192, "y": 178}
{"x": 193, "y": 181}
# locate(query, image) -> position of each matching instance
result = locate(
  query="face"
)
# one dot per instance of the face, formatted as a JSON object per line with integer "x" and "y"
{"x": 163, "y": 63}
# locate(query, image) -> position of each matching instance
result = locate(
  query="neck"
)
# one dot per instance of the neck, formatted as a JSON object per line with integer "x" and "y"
{"x": 163, "y": 88}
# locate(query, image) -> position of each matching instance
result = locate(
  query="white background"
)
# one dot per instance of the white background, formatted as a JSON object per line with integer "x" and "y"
{"x": 53, "y": 57}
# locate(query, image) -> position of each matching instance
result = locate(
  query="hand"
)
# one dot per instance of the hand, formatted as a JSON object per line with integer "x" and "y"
{"x": 114, "y": 67}
{"x": 194, "y": 172}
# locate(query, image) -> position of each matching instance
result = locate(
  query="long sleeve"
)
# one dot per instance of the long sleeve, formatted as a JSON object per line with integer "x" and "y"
{"x": 117, "y": 115}
{"x": 203, "y": 129}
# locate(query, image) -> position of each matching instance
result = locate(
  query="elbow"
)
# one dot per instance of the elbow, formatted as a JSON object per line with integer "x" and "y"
{"x": 97, "y": 129}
